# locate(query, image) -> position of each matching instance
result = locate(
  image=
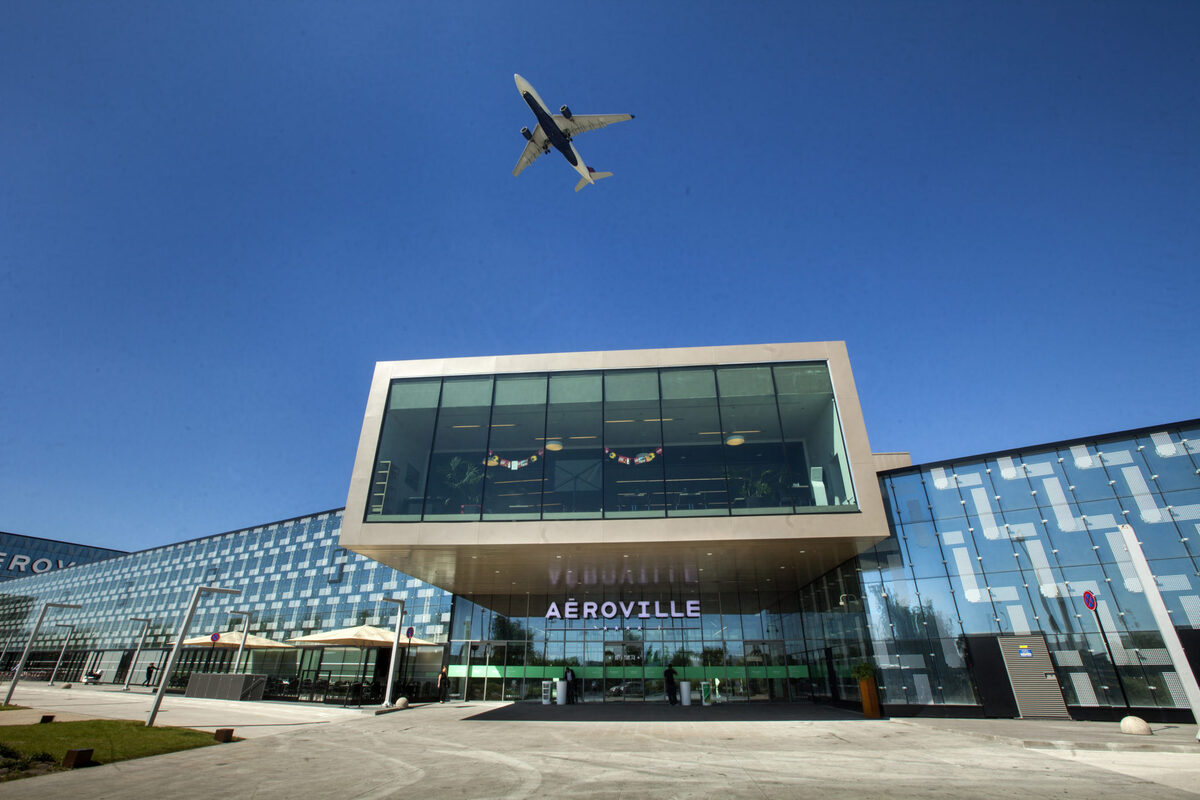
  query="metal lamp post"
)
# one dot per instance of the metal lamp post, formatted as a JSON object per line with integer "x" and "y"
{"x": 245, "y": 614}
{"x": 183, "y": 629}
{"x": 387, "y": 697}
{"x": 70, "y": 630}
{"x": 29, "y": 645}
{"x": 138, "y": 651}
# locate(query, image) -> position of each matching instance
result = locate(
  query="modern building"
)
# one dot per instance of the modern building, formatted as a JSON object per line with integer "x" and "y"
{"x": 30, "y": 555}
{"x": 719, "y": 510}
{"x": 294, "y": 580}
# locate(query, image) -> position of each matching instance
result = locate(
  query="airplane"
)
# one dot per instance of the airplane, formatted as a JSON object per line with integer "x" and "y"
{"x": 557, "y": 131}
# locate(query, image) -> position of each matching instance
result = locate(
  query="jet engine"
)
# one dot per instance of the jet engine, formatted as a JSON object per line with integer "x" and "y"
{"x": 525, "y": 132}
{"x": 566, "y": 112}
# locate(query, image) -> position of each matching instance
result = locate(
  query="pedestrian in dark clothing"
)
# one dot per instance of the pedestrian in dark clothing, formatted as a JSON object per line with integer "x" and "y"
{"x": 669, "y": 679}
{"x": 149, "y": 674}
{"x": 443, "y": 685}
{"x": 571, "y": 684}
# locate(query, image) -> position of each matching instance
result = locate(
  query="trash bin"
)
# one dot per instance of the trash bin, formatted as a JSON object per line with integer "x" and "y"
{"x": 685, "y": 693}
{"x": 706, "y": 693}
{"x": 547, "y": 692}
{"x": 562, "y": 693}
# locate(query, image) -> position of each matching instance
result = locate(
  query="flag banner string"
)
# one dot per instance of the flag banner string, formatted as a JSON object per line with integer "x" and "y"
{"x": 494, "y": 460}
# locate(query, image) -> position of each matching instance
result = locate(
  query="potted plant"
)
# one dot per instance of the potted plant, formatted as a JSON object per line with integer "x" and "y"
{"x": 864, "y": 673}
{"x": 462, "y": 482}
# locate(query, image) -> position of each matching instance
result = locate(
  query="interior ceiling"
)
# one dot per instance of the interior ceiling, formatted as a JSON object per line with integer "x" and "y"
{"x": 600, "y": 569}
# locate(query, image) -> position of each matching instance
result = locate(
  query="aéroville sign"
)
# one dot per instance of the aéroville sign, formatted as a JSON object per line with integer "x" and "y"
{"x": 641, "y": 609}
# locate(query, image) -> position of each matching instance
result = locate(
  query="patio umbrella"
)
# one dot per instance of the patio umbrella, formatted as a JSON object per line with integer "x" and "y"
{"x": 233, "y": 639}
{"x": 360, "y": 636}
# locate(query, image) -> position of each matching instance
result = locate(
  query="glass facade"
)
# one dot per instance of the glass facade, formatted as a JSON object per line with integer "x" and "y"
{"x": 1007, "y": 544}
{"x": 294, "y": 578}
{"x": 22, "y": 556}
{"x": 616, "y": 444}
{"x": 762, "y": 644}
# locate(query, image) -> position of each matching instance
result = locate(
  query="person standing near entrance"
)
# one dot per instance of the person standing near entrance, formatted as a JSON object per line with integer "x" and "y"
{"x": 571, "y": 686}
{"x": 669, "y": 680}
{"x": 443, "y": 685}
{"x": 149, "y": 674}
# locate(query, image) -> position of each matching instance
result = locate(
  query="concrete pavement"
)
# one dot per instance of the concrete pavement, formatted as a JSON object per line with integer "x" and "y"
{"x": 109, "y": 702}
{"x": 501, "y": 750}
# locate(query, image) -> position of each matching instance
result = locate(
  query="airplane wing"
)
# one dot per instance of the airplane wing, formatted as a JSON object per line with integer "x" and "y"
{"x": 581, "y": 123}
{"x": 532, "y": 150}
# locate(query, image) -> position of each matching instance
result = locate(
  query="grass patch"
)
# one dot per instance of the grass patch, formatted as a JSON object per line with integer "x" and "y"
{"x": 10, "y": 708}
{"x": 111, "y": 739}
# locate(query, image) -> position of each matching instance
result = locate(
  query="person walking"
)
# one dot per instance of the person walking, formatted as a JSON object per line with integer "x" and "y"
{"x": 443, "y": 685}
{"x": 149, "y": 674}
{"x": 571, "y": 686}
{"x": 669, "y": 679}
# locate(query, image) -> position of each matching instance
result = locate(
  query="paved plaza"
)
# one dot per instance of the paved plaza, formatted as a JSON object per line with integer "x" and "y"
{"x": 501, "y": 750}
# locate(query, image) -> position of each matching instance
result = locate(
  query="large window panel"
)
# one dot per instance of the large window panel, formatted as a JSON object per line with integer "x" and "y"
{"x": 1087, "y": 479}
{"x": 516, "y": 449}
{"x": 459, "y": 450}
{"x": 633, "y": 465}
{"x": 574, "y": 471}
{"x": 812, "y": 435}
{"x": 909, "y": 500}
{"x": 1167, "y": 457}
{"x": 402, "y": 458}
{"x": 759, "y": 478}
{"x": 693, "y": 455}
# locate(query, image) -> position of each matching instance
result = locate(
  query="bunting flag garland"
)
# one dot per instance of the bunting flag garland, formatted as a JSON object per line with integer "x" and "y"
{"x": 640, "y": 458}
{"x": 494, "y": 460}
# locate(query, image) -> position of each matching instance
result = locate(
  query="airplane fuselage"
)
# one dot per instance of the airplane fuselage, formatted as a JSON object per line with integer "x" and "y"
{"x": 554, "y": 135}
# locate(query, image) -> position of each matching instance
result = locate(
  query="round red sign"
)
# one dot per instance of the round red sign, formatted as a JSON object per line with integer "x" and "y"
{"x": 1089, "y": 600}
{"x": 216, "y": 637}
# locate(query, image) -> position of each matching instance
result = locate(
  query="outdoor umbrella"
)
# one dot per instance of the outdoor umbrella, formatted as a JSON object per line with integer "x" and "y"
{"x": 233, "y": 639}
{"x": 361, "y": 636}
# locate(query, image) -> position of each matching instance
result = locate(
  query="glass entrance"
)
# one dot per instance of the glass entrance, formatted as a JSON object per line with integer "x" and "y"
{"x": 624, "y": 680}
{"x": 485, "y": 671}
{"x": 766, "y": 671}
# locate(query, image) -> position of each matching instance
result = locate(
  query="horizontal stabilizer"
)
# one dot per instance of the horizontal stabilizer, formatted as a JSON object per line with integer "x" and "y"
{"x": 595, "y": 177}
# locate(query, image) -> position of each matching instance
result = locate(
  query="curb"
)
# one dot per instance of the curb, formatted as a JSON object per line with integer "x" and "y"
{"x": 1041, "y": 744}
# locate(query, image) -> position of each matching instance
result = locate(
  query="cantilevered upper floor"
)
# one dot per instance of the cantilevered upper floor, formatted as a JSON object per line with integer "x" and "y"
{"x": 527, "y": 473}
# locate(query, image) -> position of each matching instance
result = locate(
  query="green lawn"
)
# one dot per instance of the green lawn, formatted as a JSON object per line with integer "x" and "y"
{"x": 111, "y": 739}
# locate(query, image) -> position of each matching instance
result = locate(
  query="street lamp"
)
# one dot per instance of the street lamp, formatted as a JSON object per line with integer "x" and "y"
{"x": 245, "y": 614}
{"x": 70, "y": 630}
{"x": 137, "y": 651}
{"x": 37, "y": 626}
{"x": 183, "y": 629}
{"x": 387, "y": 697}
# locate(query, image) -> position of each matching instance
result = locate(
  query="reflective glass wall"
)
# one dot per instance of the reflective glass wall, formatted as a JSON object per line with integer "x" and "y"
{"x": 1008, "y": 544}
{"x": 294, "y": 577}
{"x": 689, "y": 441}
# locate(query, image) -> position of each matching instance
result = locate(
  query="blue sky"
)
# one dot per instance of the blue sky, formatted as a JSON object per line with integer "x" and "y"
{"x": 215, "y": 218}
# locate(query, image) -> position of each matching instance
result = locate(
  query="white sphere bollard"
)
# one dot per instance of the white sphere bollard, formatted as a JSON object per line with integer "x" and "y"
{"x": 402, "y": 702}
{"x": 1136, "y": 726}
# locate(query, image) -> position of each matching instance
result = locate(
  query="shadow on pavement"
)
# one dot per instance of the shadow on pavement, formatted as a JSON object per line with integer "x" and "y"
{"x": 662, "y": 712}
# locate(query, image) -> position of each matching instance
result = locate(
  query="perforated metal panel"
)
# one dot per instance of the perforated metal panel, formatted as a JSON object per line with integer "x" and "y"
{"x": 1031, "y": 673}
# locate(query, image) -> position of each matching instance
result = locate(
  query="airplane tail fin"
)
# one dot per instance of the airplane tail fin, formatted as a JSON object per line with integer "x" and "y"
{"x": 595, "y": 177}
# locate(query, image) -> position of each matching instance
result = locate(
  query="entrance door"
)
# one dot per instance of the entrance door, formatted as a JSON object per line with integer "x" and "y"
{"x": 623, "y": 675}
{"x": 485, "y": 671}
{"x": 766, "y": 670}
